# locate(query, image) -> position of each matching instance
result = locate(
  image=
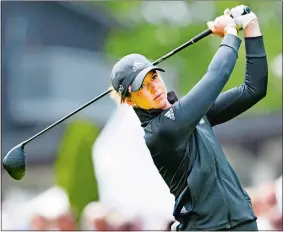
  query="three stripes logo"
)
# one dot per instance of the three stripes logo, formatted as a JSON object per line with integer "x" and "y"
{"x": 201, "y": 121}
{"x": 183, "y": 210}
{"x": 170, "y": 114}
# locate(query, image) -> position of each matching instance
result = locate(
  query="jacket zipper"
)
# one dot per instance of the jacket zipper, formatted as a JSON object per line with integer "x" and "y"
{"x": 221, "y": 182}
{"x": 218, "y": 176}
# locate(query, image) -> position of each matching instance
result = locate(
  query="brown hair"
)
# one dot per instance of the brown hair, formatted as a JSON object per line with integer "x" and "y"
{"x": 116, "y": 96}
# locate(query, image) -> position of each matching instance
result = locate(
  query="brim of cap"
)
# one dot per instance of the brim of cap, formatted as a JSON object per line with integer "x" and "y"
{"x": 135, "y": 86}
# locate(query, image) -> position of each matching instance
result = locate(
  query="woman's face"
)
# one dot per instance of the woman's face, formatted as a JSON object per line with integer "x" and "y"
{"x": 151, "y": 95}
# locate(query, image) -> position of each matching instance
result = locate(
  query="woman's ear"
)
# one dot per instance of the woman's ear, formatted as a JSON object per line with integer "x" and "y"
{"x": 130, "y": 102}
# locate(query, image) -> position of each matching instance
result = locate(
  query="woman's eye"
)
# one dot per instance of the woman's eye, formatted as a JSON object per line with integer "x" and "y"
{"x": 142, "y": 86}
{"x": 154, "y": 77}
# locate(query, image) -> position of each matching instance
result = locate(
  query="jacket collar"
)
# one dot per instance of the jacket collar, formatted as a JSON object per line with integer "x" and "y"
{"x": 146, "y": 116}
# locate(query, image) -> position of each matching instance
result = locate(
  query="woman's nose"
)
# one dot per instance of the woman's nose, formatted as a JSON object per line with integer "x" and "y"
{"x": 154, "y": 87}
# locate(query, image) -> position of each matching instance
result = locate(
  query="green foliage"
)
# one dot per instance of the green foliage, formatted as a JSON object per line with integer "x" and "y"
{"x": 155, "y": 40}
{"x": 74, "y": 166}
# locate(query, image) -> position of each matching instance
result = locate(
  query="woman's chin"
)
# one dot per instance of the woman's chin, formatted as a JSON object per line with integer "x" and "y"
{"x": 162, "y": 104}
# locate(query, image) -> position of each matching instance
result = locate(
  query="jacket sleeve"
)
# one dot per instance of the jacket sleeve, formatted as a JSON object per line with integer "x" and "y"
{"x": 178, "y": 122}
{"x": 237, "y": 100}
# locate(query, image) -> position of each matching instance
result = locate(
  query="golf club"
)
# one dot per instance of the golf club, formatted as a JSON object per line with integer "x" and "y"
{"x": 14, "y": 162}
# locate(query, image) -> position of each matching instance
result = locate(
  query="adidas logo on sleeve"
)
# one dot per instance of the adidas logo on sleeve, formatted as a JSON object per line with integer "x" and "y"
{"x": 170, "y": 114}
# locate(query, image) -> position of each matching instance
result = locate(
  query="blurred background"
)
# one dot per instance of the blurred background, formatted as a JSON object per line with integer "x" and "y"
{"x": 56, "y": 56}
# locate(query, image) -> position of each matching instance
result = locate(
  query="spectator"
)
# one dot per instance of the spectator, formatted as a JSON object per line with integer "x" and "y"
{"x": 267, "y": 204}
{"x": 51, "y": 211}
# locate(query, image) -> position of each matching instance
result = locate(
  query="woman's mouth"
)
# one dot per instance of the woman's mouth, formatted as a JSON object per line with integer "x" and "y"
{"x": 158, "y": 96}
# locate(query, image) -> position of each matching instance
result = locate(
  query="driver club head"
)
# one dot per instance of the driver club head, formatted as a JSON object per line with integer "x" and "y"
{"x": 14, "y": 162}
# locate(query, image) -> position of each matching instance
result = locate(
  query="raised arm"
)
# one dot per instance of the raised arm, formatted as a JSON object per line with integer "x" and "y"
{"x": 195, "y": 104}
{"x": 239, "y": 99}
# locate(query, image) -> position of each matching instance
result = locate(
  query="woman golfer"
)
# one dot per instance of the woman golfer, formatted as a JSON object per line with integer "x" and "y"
{"x": 179, "y": 135}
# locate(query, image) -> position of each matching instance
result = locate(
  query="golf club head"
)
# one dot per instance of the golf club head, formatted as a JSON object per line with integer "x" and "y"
{"x": 14, "y": 162}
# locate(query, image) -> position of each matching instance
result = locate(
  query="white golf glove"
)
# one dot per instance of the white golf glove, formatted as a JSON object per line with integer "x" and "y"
{"x": 238, "y": 13}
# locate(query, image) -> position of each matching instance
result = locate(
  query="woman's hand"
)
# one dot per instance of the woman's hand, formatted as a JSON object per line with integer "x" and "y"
{"x": 248, "y": 22}
{"x": 223, "y": 25}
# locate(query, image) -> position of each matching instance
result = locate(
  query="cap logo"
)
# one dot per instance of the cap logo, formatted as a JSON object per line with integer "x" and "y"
{"x": 137, "y": 65}
{"x": 121, "y": 88}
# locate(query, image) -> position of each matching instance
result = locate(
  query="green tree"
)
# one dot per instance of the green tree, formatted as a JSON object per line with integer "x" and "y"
{"x": 74, "y": 166}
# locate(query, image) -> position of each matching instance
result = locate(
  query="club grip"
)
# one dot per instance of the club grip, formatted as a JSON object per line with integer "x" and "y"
{"x": 207, "y": 32}
{"x": 201, "y": 35}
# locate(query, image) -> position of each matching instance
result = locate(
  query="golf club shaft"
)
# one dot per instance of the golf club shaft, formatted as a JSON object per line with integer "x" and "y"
{"x": 190, "y": 42}
{"x": 67, "y": 116}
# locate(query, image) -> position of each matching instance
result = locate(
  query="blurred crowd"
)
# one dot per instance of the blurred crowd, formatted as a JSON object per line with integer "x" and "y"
{"x": 51, "y": 210}
{"x": 267, "y": 203}
{"x": 57, "y": 215}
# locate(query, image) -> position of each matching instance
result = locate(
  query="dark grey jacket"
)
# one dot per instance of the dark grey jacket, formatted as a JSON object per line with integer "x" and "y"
{"x": 208, "y": 194}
